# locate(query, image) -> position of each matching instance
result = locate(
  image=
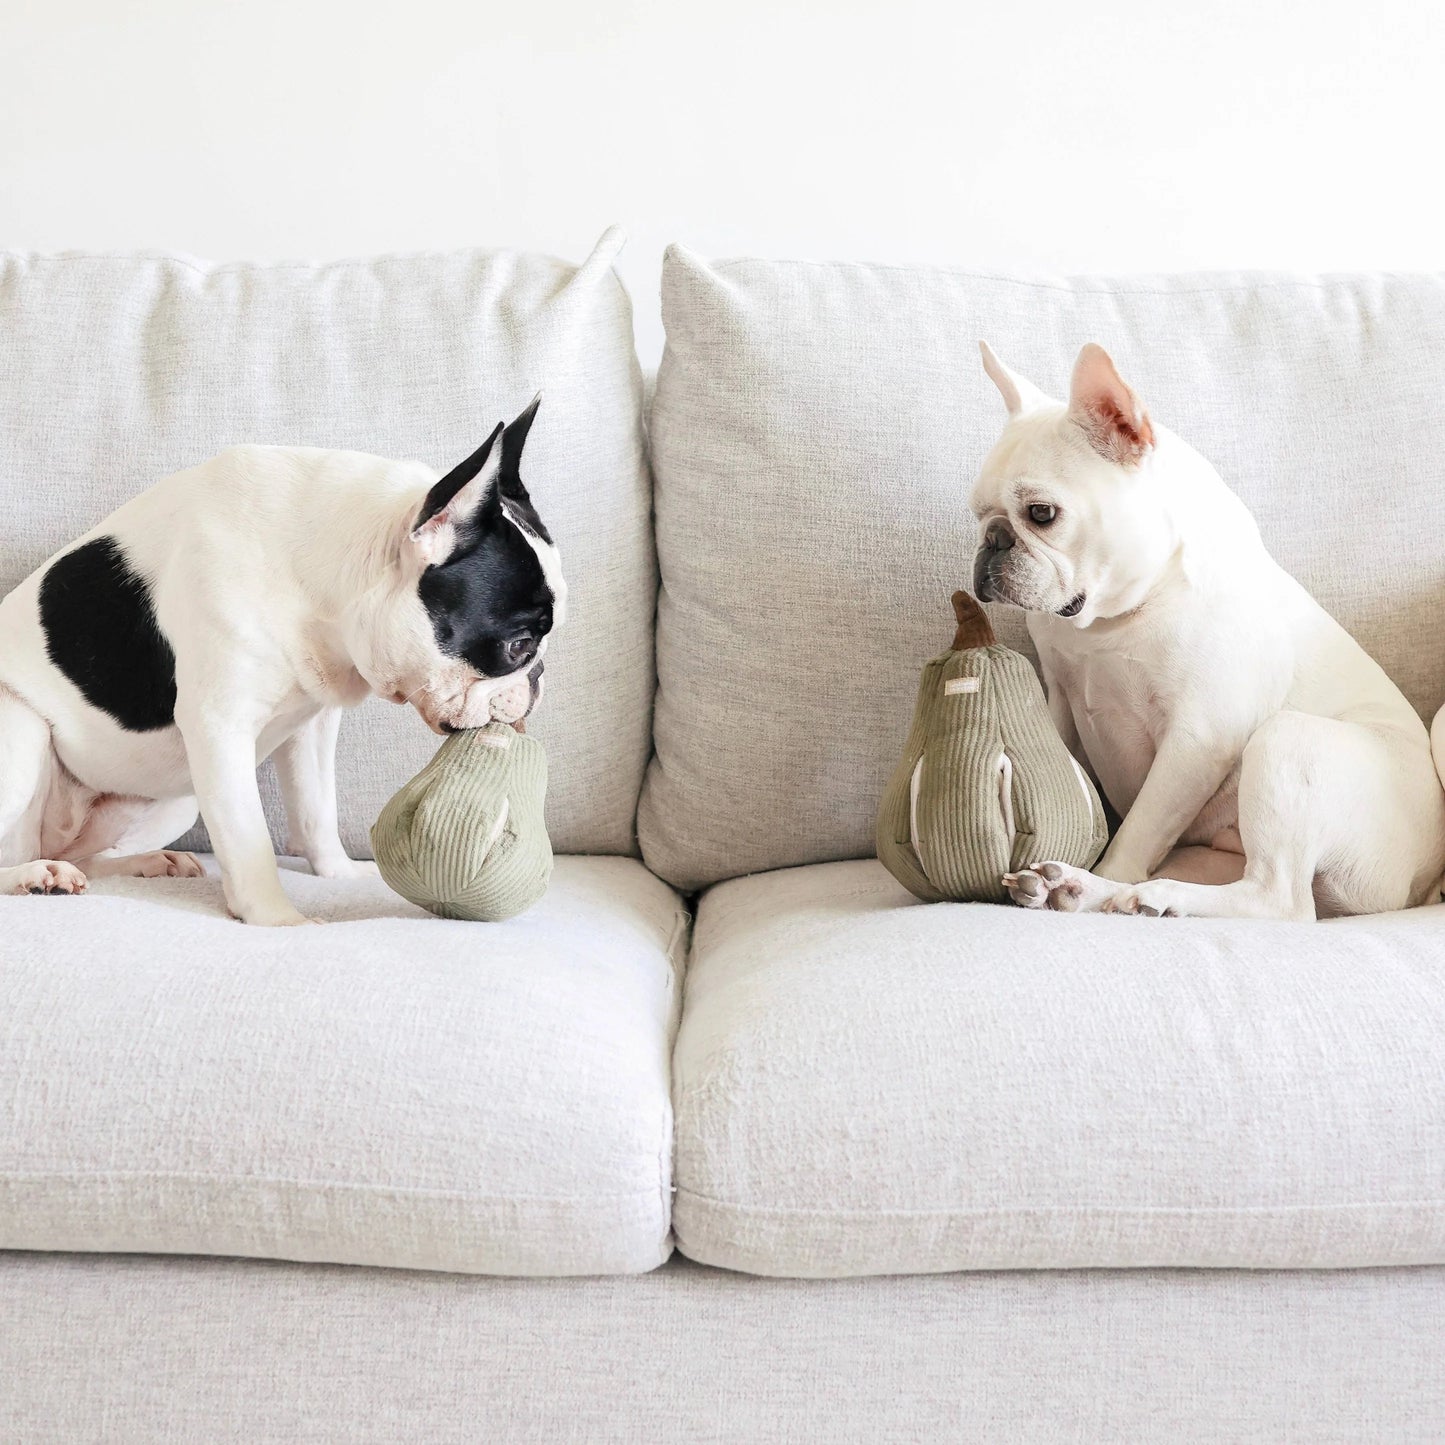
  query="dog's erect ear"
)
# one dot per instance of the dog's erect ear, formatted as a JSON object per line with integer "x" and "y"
{"x": 514, "y": 493}
{"x": 514, "y": 438}
{"x": 1108, "y": 409}
{"x": 1019, "y": 395}
{"x": 460, "y": 502}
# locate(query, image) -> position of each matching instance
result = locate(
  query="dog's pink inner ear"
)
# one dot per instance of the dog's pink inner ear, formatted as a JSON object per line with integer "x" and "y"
{"x": 434, "y": 539}
{"x": 1108, "y": 409}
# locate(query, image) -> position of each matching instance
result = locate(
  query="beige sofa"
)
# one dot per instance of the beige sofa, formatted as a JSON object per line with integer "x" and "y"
{"x": 823, "y": 1163}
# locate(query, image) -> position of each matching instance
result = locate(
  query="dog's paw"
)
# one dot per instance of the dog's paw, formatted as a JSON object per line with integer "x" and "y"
{"x": 44, "y": 876}
{"x": 1048, "y": 885}
{"x": 344, "y": 868}
{"x": 1149, "y": 900}
{"x": 276, "y": 919}
{"x": 270, "y": 915}
{"x": 163, "y": 863}
{"x": 167, "y": 863}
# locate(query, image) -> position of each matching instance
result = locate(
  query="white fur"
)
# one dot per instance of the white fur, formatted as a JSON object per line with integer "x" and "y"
{"x": 547, "y": 557}
{"x": 286, "y": 581}
{"x": 1263, "y": 764}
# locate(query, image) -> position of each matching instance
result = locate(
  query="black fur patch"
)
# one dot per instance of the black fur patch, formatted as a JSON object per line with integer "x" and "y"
{"x": 514, "y": 438}
{"x": 456, "y": 479}
{"x": 489, "y": 602}
{"x": 489, "y": 594}
{"x": 101, "y": 632}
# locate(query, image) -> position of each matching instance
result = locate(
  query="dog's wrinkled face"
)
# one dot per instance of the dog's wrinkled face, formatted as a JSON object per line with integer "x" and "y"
{"x": 481, "y": 592}
{"x": 1069, "y": 523}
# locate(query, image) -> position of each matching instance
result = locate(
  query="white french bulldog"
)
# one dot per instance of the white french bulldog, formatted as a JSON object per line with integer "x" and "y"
{"x": 226, "y": 615}
{"x": 1264, "y": 766}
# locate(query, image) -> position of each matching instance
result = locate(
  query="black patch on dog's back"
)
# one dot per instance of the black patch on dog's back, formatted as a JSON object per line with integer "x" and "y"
{"x": 101, "y": 632}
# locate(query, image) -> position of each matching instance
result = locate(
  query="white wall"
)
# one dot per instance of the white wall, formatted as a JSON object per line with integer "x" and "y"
{"x": 1059, "y": 135}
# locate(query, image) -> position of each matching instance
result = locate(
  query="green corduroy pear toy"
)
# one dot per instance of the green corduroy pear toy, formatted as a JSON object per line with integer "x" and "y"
{"x": 466, "y": 837}
{"x": 985, "y": 786}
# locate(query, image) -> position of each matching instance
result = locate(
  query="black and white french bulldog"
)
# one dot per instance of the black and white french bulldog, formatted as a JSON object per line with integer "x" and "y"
{"x": 227, "y": 615}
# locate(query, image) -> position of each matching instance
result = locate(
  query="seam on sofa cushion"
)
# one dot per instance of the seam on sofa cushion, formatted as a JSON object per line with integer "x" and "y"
{"x": 321, "y": 1185}
{"x": 1007, "y": 1211}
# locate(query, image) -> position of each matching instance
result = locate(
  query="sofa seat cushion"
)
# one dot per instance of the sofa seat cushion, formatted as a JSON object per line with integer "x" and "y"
{"x": 388, "y": 1089}
{"x": 865, "y": 1084}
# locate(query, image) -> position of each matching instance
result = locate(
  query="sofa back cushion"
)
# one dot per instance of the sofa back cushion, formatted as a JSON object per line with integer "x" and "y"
{"x": 816, "y": 431}
{"x": 116, "y": 370}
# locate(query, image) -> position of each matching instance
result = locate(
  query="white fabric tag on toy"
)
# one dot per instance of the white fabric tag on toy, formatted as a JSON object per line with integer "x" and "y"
{"x": 960, "y": 684}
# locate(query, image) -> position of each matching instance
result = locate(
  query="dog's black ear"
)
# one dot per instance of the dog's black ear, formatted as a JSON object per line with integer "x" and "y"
{"x": 446, "y": 489}
{"x": 514, "y": 439}
{"x": 462, "y": 500}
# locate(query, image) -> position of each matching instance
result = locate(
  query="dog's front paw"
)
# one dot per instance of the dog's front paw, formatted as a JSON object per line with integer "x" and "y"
{"x": 268, "y": 915}
{"x": 344, "y": 868}
{"x": 277, "y": 919}
{"x": 256, "y": 897}
{"x": 1156, "y": 899}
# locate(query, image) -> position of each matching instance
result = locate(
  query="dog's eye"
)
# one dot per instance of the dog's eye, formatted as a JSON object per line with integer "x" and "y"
{"x": 519, "y": 650}
{"x": 1042, "y": 514}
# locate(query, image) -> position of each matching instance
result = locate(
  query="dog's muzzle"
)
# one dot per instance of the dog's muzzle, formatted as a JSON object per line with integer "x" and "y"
{"x": 509, "y": 704}
{"x": 998, "y": 541}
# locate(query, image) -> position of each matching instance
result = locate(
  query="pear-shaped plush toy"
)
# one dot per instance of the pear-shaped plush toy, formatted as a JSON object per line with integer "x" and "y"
{"x": 466, "y": 837}
{"x": 985, "y": 786}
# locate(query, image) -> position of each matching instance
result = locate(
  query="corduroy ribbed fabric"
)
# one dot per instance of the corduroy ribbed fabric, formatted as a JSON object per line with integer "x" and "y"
{"x": 466, "y": 838}
{"x": 985, "y": 785}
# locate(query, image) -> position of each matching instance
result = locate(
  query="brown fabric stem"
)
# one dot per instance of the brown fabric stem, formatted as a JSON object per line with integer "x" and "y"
{"x": 974, "y": 628}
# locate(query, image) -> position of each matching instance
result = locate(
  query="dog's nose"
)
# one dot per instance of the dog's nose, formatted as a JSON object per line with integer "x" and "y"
{"x": 998, "y": 536}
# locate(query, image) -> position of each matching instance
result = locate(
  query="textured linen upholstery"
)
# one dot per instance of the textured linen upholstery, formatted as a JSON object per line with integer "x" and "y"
{"x": 390, "y": 1089}
{"x": 116, "y": 370}
{"x": 143, "y": 1350}
{"x": 816, "y": 431}
{"x": 866, "y": 1084}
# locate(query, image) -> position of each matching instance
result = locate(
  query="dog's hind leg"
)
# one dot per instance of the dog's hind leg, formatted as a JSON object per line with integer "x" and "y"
{"x": 159, "y": 863}
{"x": 126, "y": 838}
{"x": 1329, "y": 810}
{"x": 28, "y": 769}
